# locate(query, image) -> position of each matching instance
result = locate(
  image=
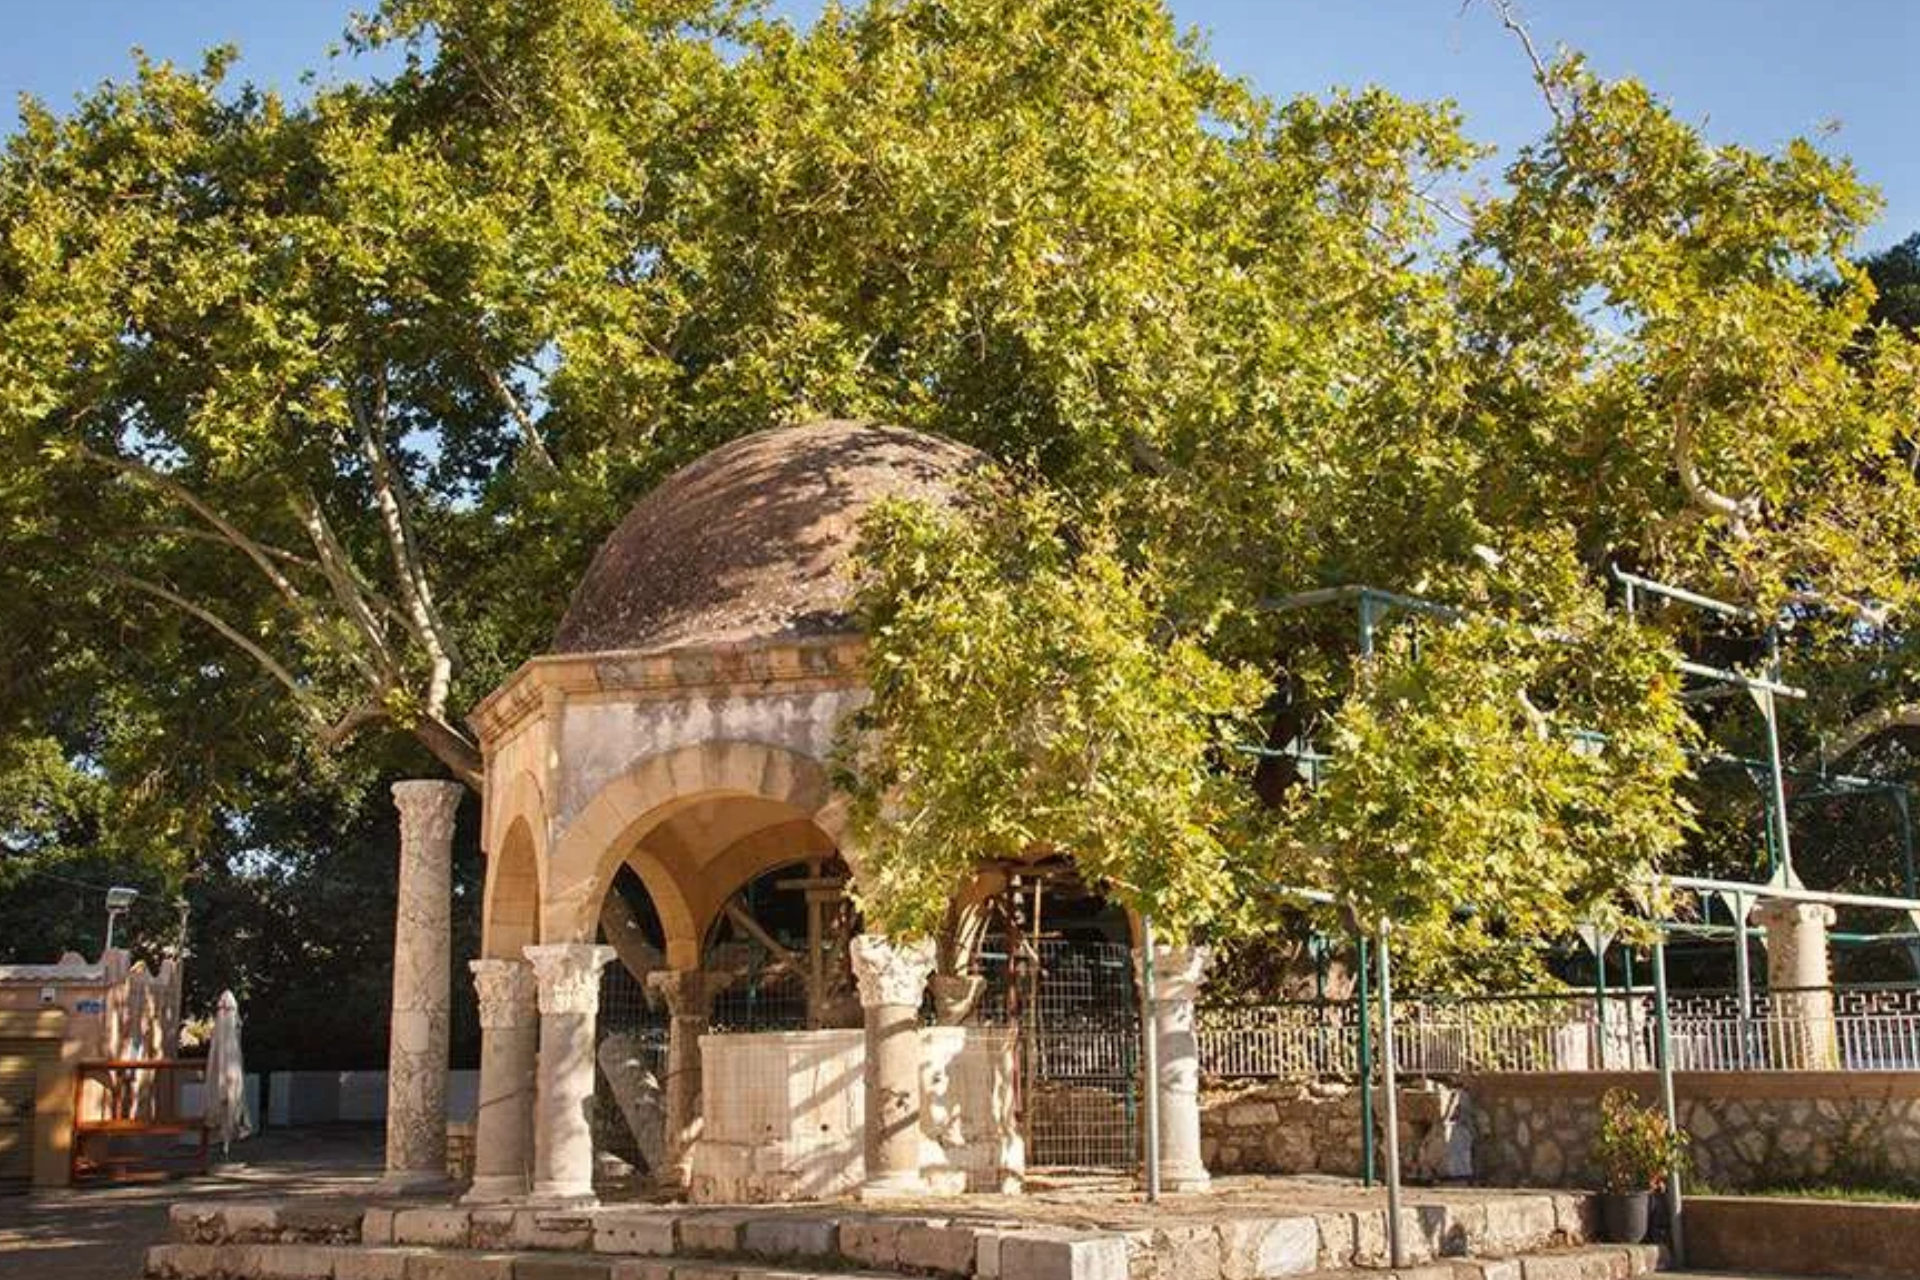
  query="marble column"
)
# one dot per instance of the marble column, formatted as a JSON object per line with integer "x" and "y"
{"x": 892, "y": 977}
{"x": 688, "y": 994}
{"x": 1177, "y": 974}
{"x": 509, "y": 1049}
{"x": 1799, "y": 984}
{"x": 422, "y": 988}
{"x": 568, "y": 977}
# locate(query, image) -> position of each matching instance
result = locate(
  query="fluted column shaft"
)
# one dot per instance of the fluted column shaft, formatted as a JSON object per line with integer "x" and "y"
{"x": 892, "y": 978}
{"x": 568, "y": 978}
{"x": 509, "y": 1051}
{"x": 422, "y": 987}
{"x": 1177, "y": 974}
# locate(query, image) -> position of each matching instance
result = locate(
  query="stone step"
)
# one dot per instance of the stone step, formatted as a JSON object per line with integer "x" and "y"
{"x": 1584, "y": 1262}
{"x": 1239, "y": 1245}
{"x": 281, "y": 1261}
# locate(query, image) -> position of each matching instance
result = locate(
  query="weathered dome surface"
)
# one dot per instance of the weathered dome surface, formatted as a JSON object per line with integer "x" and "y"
{"x": 751, "y": 540}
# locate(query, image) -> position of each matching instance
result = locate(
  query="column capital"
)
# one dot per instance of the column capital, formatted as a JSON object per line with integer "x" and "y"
{"x": 890, "y": 972}
{"x": 568, "y": 974}
{"x": 1178, "y": 971}
{"x": 508, "y": 993}
{"x": 427, "y": 810}
{"x": 1787, "y": 912}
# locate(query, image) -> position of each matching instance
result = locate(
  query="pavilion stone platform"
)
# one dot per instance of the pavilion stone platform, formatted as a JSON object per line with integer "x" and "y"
{"x": 1242, "y": 1229}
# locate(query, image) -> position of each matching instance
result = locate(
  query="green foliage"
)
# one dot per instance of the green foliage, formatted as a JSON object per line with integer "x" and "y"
{"x": 1026, "y": 701}
{"x": 1634, "y": 1146}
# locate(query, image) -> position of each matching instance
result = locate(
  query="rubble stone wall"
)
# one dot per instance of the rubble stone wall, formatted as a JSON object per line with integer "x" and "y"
{"x": 1290, "y": 1126}
{"x": 1746, "y": 1129}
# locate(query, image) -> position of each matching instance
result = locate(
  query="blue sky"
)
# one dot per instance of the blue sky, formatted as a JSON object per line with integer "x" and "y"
{"x": 1756, "y": 71}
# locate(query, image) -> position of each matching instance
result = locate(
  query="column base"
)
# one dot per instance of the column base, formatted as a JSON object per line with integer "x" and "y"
{"x": 565, "y": 1195}
{"x": 895, "y": 1186}
{"x": 1182, "y": 1181}
{"x": 495, "y": 1188}
{"x": 414, "y": 1182}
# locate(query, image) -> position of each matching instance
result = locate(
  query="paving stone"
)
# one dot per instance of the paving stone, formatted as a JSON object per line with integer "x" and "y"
{"x": 376, "y": 1225}
{"x": 291, "y": 1261}
{"x": 443, "y": 1228}
{"x": 1488, "y": 1269}
{"x": 249, "y": 1222}
{"x": 793, "y": 1236}
{"x": 1519, "y": 1224}
{"x": 872, "y": 1241}
{"x": 375, "y": 1263}
{"x": 986, "y": 1253}
{"x": 1338, "y": 1238}
{"x": 943, "y": 1250}
{"x": 536, "y": 1266}
{"x": 712, "y": 1232}
{"x": 564, "y": 1230}
{"x": 704, "y": 1271}
{"x": 319, "y": 1221}
{"x": 492, "y": 1227}
{"x": 1261, "y": 1248}
{"x": 1189, "y": 1251}
{"x": 180, "y": 1260}
{"x": 642, "y": 1231}
{"x": 642, "y": 1269}
{"x": 1575, "y": 1217}
{"x": 1063, "y": 1256}
{"x": 460, "y": 1266}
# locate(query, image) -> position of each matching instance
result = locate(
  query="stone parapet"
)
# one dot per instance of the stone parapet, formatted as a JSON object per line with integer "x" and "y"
{"x": 1288, "y": 1127}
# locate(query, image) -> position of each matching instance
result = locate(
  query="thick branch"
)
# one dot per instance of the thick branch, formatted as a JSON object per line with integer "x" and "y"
{"x": 415, "y": 593}
{"x": 262, "y": 557}
{"x": 529, "y": 430}
{"x": 348, "y": 587}
{"x": 453, "y": 749}
{"x": 1737, "y": 511}
{"x": 246, "y": 644}
{"x": 1862, "y": 729}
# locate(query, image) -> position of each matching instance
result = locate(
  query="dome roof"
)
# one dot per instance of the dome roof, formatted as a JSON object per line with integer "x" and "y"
{"x": 748, "y": 542}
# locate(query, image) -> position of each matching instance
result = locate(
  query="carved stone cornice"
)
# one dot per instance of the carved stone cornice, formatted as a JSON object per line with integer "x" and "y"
{"x": 509, "y": 995}
{"x": 890, "y": 972}
{"x": 837, "y": 660}
{"x": 568, "y": 974}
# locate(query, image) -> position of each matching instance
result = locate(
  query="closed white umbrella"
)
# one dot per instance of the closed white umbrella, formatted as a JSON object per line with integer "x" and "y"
{"x": 227, "y": 1116}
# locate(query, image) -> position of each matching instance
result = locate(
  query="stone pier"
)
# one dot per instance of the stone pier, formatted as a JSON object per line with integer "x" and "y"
{"x": 892, "y": 978}
{"x": 688, "y": 995}
{"x": 568, "y": 976}
{"x": 422, "y": 987}
{"x": 509, "y": 1048}
{"x": 1799, "y": 984}
{"x": 1177, "y": 974}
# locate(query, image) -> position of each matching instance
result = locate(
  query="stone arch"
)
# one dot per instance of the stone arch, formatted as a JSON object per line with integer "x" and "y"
{"x": 611, "y": 827}
{"x": 511, "y": 902}
{"x": 511, "y": 897}
{"x": 741, "y": 862}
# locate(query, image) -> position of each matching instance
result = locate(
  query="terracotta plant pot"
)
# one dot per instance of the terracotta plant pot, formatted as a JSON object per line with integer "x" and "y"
{"x": 1623, "y": 1217}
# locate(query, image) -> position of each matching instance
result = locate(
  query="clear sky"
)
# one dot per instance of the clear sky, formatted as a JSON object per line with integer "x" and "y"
{"x": 1756, "y": 71}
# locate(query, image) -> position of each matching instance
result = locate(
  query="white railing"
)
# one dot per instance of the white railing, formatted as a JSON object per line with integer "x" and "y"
{"x": 1854, "y": 1029}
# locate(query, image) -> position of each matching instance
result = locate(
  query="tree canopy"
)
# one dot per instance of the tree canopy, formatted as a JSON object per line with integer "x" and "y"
{"x": 311, "y": 410}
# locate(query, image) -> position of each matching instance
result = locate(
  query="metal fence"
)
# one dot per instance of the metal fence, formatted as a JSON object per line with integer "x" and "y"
{"x": 1853, "y": 1028}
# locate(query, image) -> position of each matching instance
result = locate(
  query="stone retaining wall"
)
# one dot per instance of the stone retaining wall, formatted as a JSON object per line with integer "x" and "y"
{"x": 1747, "y": 1129}
{"x": 1314, "y": 1127}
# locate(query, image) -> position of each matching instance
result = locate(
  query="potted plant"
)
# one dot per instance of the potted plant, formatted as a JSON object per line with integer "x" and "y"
{"x": 1635, "y": 1150}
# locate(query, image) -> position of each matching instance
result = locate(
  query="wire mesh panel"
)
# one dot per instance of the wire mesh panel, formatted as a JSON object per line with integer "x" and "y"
{"x": 1076, "y": 1014}
{"x": 630, "y": 1065}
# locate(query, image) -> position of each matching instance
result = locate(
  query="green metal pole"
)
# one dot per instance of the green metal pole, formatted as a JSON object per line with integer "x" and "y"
{"x": 1676, "y": 1225}
{"x": 1366, "y": 1070}
{"x": 1600, "y": 1006}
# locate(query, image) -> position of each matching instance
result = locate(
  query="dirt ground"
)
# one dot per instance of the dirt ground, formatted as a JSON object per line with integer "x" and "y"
{"x": 102, "y": 1233}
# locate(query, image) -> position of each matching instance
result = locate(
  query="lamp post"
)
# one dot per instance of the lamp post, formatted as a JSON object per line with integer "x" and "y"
{"x": 119, "y": 898}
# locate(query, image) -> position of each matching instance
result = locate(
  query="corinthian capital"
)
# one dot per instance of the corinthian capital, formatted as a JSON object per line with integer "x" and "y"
{"x": 426, "y": 816}
{"x": 568, "y": 974}
{"x": 507, "y": 993}
{"x": 890, "y": 972}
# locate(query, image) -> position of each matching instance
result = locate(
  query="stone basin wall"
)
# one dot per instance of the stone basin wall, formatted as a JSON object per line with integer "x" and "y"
{"x": 1290, "y": 1127}
{"x": 1746, "y": 1129}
